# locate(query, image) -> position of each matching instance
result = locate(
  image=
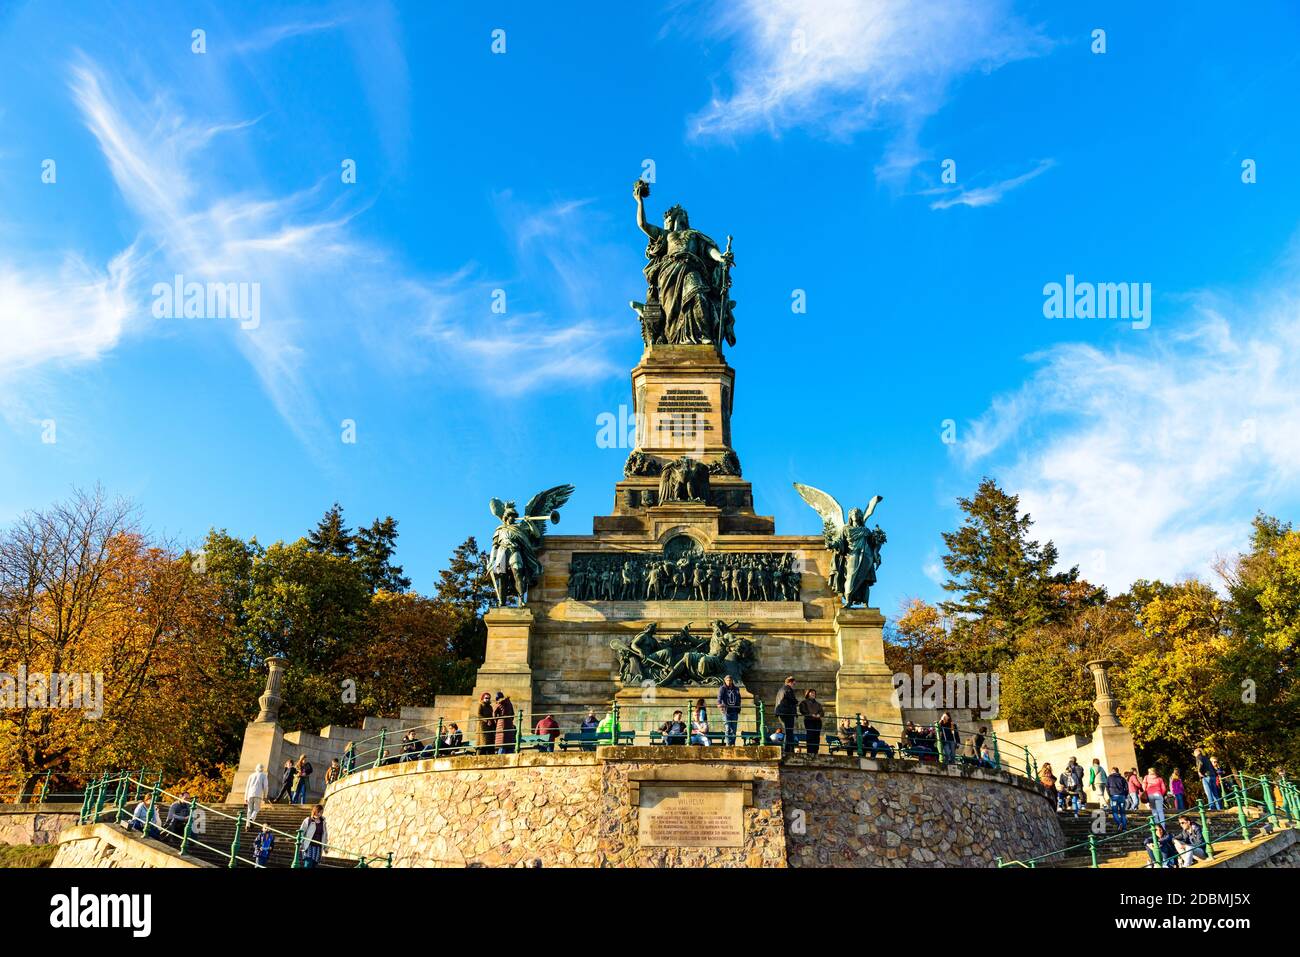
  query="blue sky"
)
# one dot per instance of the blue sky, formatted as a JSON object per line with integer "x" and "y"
{"x": 815, "y": 133}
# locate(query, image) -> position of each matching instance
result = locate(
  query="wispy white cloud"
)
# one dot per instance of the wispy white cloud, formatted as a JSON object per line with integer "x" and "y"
{"x": 839, "y": 66}
{"x": 324, "y": 288}
{"x": 1148, "y": 459}
{"x": 988, "y": 195}
{"x": 277, "y": 33}
{"x": 71, "y": 313}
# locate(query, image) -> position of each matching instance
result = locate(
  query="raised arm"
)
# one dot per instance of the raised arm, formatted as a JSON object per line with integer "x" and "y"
{"x": 650, "y": 229}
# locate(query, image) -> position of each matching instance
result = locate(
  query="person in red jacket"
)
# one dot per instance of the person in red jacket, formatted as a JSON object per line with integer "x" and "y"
{"x": 549, "y": 728}
{"x": 1155, "y": 788}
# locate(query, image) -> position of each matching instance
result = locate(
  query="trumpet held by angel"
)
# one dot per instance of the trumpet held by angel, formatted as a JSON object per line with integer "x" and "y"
{"x": 514, "y": 564}
{"x": 855, "y": 549}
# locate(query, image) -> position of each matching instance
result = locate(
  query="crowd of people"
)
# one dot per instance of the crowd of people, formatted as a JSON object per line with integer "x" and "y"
{"x": 761, "y": 576}
{"x": 1178, "y": 844}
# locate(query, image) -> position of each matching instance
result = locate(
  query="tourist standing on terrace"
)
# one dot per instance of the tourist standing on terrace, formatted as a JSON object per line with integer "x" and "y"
{"x": 1155, "y": 788}
{"x": 1176, "y": 789}
{"x": 486, "y": 725}
{"x": 812, "y": 712}
{"x": 1209, "y": 780}
{"x": 948, "y": 738}
{"x": 504, "y": 712}
{"x": 729, "y": 705}
{"x": 787, "y": 709}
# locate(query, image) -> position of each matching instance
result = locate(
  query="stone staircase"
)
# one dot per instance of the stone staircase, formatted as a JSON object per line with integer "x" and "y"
{"x": 1128, "y": 850}
{"x": 219, "y": 831}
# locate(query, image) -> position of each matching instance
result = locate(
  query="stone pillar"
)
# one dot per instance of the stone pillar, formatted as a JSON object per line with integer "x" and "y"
{"x": 1111, "y": 742}
{"x": 263, "y": 737}
{"x": 506, "y": 664}
{"x": 864, "y": 684}
{"x": 1105, "y": 702}
{"x": 270, "y": 701}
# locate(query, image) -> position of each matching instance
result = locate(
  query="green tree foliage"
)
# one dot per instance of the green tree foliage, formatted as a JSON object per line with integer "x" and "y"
{"x": 466, "y": 586}
{"x": 1004, "y": 583}
{"x": 331, "y": 536}
{"x": 374, "y": 548}
{"x": 1191, "y": 665}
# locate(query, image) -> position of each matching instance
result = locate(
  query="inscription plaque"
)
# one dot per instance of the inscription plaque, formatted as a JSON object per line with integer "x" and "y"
{"x": 691, "y": 816}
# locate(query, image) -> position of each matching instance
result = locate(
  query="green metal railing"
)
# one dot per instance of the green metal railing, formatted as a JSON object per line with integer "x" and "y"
{"x": 120, "y": 785}
{"x": 641, "y": 723}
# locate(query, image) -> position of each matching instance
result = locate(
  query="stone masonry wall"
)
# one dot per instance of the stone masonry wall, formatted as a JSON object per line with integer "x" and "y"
{"x": 576, "y": 810}
{"x": 36, "y": 824}
{"x": 103, "y": 845}
{"x": 909, "y": 815}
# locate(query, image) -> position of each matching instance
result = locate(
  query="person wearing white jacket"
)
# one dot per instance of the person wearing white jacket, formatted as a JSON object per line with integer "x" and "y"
{"x": 255, "y": 789}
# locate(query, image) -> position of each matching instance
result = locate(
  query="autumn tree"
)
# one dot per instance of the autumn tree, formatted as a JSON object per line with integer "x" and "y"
{"x": 466, "y": 587}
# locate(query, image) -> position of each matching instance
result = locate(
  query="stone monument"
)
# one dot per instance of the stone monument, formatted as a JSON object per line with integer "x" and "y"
{"x": 682, "y": 581}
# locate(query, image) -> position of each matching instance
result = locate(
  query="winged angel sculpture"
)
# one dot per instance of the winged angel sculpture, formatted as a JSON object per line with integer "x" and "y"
{"x": 855, "y": 549}
{"x": 513, "y": 564}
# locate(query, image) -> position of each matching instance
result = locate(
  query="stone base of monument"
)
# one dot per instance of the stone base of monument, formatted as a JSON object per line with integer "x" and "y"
{"x": 688, "y": 807}
{"x": 644, "y": 709}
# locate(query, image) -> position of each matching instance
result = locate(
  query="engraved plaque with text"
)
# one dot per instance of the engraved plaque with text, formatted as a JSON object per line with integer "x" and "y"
{"x": 685, "y": 816}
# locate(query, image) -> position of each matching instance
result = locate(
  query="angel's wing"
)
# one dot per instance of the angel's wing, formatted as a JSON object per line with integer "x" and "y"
{"x": 831, "y": 511}
{"x": 871, "y": 506}
{"x": 543, "y": 503}
{"x": 498, "y": 508}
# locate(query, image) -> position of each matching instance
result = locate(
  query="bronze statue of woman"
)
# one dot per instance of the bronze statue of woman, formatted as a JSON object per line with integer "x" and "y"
{"x": 686, "y": 276}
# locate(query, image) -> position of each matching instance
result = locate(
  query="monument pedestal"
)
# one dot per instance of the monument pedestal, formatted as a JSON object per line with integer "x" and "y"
{"x": 682, "y": 397}
{"x": 864, "y": 684}
{"x": 506, "y": 663}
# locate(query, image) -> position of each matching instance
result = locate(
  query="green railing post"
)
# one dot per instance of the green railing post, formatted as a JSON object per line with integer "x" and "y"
{"x": 997, "y": 755}
{"x": 234, "y": 843}
{"x": 1267, "y": 787}
{"x": 156, "y": 791}
{"x": 189, "y": 824}
{"x": 437, "y": 742}
{"x": 45, "y": 786}
{"x": 389, "y": 863}
{"x": 1241, "y": 815}
{"x": 999, "y": 861}
{"x": 120, "y": 797}
{"x": 100, "y": 795}
{"x": 613, "y": 727}
{"x": 379, "y": 755}
{"x": 1092, "y": 848}
{"x": 297, "y": 850}
{"x": 85, "y": 793}
{"x": 858, "y": 735}
{"x": 762, "y": 724}
{"x": 1155, "y": 843}
{"x": 523, "y": 723}
{"x": 938, "y": 744}
{"x": 1031, "y": 774}
{"x": 1205, "y": 830}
